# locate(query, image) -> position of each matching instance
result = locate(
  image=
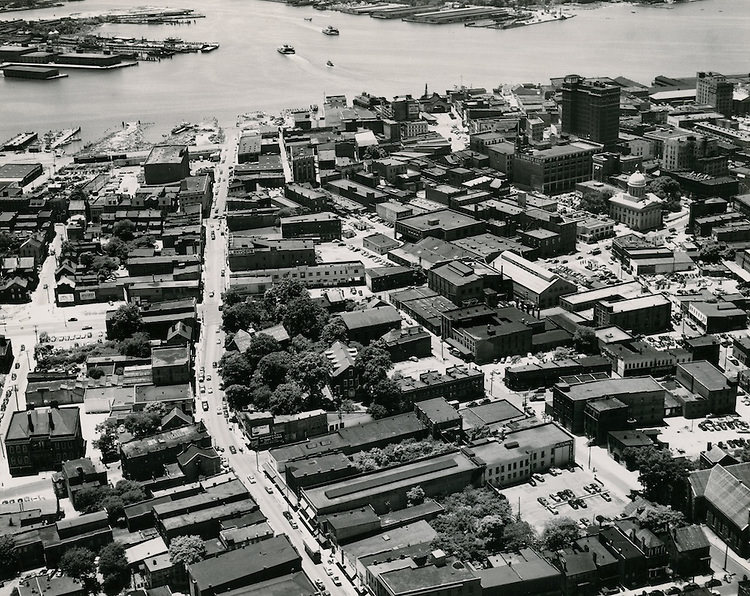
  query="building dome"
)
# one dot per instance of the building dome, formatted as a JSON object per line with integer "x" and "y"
{"x": 637, "y": 180}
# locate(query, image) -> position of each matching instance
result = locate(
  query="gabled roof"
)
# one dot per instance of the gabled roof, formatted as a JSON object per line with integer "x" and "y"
{"x": 176, "y": 413}
{"x": 52, "y": 422}
{"x": 194, "y": 451}
{"x": 728, "y": 494}
{"x": 690, "y": 538}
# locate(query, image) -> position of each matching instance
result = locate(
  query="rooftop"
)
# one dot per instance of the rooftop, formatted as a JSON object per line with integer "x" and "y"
{"x": 609, "y": 387}
{"x": 446, "y": 219}
{"x": 166, "y": 440}
{"x": 51, "y": 422}
{"x": 243, "y": 562}
{"x": 166, "y": 154}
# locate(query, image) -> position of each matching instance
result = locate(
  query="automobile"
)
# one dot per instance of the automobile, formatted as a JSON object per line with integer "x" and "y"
{"x": 208, "y": 377}
{"x": 714, "y": 582}
{"x": 204, "y": 404}
{"x": 13, "y": 377}
{"x": 573, "y": 503}
{"x": 336, "y": 581}
{"x": 413, "y": 359}
{"x": 606, "y": 497}
{"x": 269, "y": 490}
{"x": 218, "y": 341}
{"x": 293, "y": 524}
{"x": 251, "y": 479}
{"x": 319, "y": 584}
{"x": 211, "y": 294}
{"x": 202, "y": 388}
{"x": 673, "y": 590}
{"x": 532, "y": 482}
{"x": 690, "y": 587}
{"x": 232, "y": 450}
{"x": 220, "y": 449}
{"x": 18, "y": 365}
{"x": 329, "y": 571}
{"x": 223, "y": 272}
{"x": 210, "y": 389}
{"x": 582, "y": 504}
{"x": 23, "y": 347}
{"x": 214, "y": 364}
{"x": 538, "y": 477}
{"x": 72, "y": 320}
{"x": 89, "y": 334}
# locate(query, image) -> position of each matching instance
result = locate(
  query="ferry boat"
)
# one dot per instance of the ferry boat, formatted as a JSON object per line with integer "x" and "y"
{"x": 330, "y": 30}
{"x": 329, "y": 63}
{"x": 285, "y": 49}
{"x": 308, "y": 19}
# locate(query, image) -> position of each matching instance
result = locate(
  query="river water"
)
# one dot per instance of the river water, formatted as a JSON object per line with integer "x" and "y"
{"x": 384, "y": 57}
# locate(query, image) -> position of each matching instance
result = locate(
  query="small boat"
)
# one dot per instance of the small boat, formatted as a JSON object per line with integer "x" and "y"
{"x": 308, "y": 19}
{"x": 330, "y": 30}
{"x": 285, "y": 49}
{"x": 329, "y": 63}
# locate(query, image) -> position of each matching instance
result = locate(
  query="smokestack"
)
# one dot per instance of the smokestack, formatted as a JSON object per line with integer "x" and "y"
{"x": 31, "y": 421}
{"x": 51, "y": 421}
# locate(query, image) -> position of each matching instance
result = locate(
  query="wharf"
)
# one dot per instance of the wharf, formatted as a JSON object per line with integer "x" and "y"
{"x": 512, "y": 22}
{"x": 456, "y": 15}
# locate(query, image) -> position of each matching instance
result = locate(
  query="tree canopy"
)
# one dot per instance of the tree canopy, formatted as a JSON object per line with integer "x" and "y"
{"x": 663, "y": 477}
{"x": 186, "y": 550}
{"x": 560, "y": 532}
{"x": 8, "y": 556}
{"x": 113, "y": 565}
{"x": 303, "y": 316}
{"x": 77, "y": 562}
{"x": 124, "y": 322}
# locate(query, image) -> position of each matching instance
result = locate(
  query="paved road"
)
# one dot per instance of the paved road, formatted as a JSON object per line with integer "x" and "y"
{"x": 210, "y": 350}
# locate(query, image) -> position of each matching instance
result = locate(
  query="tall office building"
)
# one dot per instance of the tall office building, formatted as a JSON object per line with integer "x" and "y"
{"x": 713, "y": 89}
{"x": 591, "y": 110}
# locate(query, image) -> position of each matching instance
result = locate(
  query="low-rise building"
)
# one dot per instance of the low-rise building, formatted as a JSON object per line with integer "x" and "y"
{"x": 444, "y": 224}
{"x": 533, "y": 283}
{"x": 715, "y": 317}
{"x": 522, "y": 453}
{"x": 554, "y": 170}
{"x": 244, "y": 567}
{"x": 365, "y": 326}
{"x": 460, "y": 383}
{"x": 642, "y": 398}
{"x": 82, "y": 473}
{"x": 408, "y": 342}
{"x": 383, "y": 279}
{"x": 42, "y": 439}
{"x": 380, "y": 243}
{"x": 645, "y": 314}
{"x": 324, "y": 226}
{"x": 145, "y": 458}
{"x": 386, "y": 489}
{"x": 707, "y": 381}
{"x": 528, "y": 376}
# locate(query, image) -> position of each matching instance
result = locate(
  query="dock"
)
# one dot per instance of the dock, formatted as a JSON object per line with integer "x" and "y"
{"x": 65, "y": 137}
{"x": 456, "y": 15}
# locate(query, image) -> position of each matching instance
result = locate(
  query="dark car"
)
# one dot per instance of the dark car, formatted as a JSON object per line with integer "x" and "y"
{"x": 232, "y": 449}
{"x": 674, "y": 590}
{"x": 72, "y": 320}
{"x": 691, "y": 587}
{"x": 712, "y": 583}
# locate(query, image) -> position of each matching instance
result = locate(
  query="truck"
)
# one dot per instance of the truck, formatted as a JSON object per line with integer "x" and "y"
{"x": 313, "y": 552}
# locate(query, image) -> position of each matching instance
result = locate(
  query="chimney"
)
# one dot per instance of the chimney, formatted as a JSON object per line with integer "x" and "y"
{"x": 709, "y": 445}
{"x": 31, "y": 421}
{"x": 51, "y": 421}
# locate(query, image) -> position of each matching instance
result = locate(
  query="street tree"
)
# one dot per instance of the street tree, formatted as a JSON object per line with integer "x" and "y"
{"x": 243, "y": 315}
{"x": 113, "y": 565}
{"x": 559, "y": 533}
{"x": 234, "y": 369}
{"x": 142, "y": 424}
{"x": 124, "y": 322}
{"x": 278, "y": 296}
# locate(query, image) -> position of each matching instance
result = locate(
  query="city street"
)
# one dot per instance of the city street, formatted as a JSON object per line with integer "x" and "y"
{"x": 209, "y": 350}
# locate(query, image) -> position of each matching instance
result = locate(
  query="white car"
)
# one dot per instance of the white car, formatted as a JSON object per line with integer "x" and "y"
{"x": 329, "y": 571}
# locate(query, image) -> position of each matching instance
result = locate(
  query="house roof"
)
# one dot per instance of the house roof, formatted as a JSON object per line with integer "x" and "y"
{"x": 690, "y": 538}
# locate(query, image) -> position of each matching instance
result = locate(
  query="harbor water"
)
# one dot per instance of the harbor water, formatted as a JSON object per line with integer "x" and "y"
{"x": 384, "y": 57}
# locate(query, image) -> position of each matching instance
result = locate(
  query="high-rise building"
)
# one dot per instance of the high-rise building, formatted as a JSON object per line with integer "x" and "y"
{"x": 713, "y": 89}
{"x": 591, "y": 110}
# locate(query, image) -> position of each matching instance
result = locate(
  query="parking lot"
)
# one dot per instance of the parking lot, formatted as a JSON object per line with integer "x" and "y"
{"x": 690, "y": 437}
{"x": 527, "y": 498}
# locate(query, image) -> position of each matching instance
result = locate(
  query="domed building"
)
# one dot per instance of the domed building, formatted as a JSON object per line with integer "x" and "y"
{"x": 636, "y": 208}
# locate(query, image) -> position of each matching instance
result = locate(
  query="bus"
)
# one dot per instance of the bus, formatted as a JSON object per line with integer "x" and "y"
{"x": 313, "y": 552}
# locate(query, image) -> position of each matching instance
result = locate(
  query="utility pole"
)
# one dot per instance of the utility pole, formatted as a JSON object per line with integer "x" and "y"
{"x": 726, "y": 555}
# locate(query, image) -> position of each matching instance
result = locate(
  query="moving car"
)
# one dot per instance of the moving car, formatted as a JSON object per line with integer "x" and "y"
{"x": 232, "y": 450}
{"x": 205, "y": 406}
